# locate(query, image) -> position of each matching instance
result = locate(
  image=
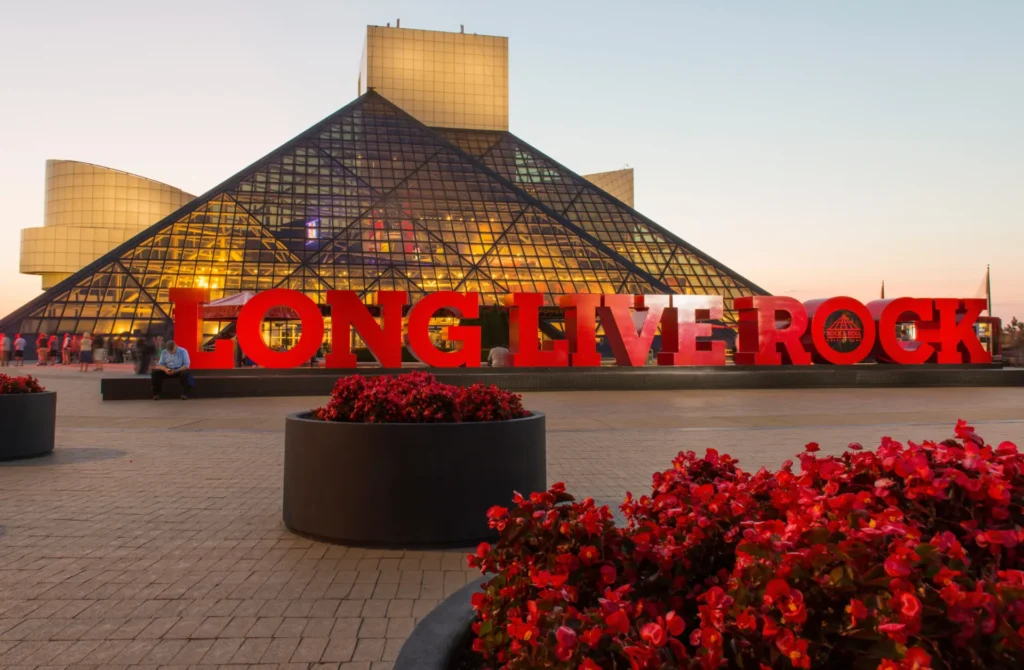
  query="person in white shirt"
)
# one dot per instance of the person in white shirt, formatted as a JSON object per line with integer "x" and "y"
{"x": 19, "y": 351}
{"x": 497, "y": 357}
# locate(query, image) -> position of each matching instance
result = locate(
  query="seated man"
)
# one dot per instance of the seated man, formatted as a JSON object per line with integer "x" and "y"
{"x": 173, "y": 362}
{"x": 497, "y": 357}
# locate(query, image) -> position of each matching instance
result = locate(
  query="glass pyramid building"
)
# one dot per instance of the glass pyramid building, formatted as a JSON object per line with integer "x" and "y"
{"x": 371, "y": 198}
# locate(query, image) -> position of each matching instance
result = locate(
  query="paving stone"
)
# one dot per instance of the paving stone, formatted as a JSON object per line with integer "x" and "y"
{"x": 153, "y": 535}
{"x": 192, "y": 653}
{"x": 309, "y": 650}
{"x": 104, "y": 652}
{"x": 291, "y": 627}
{"x": 368, "y": 649}
{"x": 339, "y": 649}
{"x": 280, "y": 650}
{"x": 163, "y": 652}
{"x": 251, "y": 650}
{"x": 134, "y": 651}
{"x": 75, "y": 652}
{"x": 211, "y": 627}
{"x": 223, "y": 650}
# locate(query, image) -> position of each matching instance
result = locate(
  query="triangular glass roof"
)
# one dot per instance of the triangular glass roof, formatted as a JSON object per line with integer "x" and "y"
{"x": 372, "y": 199}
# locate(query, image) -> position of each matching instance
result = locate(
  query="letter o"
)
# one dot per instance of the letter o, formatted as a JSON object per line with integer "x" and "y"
{"x": 821, "y": 345}
{"x": 251, "y": 318}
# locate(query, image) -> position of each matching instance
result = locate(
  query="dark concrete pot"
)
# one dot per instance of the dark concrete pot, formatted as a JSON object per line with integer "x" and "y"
{"x": 407, "y": 484}
{"x": 437, "y": 639}
{"x": 27, "y": 424}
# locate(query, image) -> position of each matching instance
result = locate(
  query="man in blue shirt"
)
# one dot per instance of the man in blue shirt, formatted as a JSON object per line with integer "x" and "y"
{"x": 173, "y": 362}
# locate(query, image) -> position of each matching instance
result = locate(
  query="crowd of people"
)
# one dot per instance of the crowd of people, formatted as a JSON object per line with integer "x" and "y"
{"x": 89, "y": 352}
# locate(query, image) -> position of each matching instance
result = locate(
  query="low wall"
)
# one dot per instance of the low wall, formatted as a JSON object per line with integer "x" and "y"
{"x": 318, "y": 381}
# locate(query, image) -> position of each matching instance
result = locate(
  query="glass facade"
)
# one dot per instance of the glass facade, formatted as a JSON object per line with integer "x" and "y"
{"x": 372, "y": 199}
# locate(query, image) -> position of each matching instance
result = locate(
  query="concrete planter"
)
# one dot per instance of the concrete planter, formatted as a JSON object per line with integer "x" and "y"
{"x": 407, "y": 485}
{"x": 437, "y": 640}
{"x": 27, "y": 424}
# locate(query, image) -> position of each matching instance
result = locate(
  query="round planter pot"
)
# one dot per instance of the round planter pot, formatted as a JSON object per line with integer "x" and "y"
{"x": 27, "y": 422}
{"x": 437, "y": 640}
{"x": 407, "y": 484}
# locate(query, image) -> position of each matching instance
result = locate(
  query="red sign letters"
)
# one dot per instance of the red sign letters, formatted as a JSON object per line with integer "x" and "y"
{"x": 771, "y": 331}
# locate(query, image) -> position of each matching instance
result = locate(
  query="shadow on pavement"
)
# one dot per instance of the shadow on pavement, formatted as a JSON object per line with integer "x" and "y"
{"x": 65, "y": 456}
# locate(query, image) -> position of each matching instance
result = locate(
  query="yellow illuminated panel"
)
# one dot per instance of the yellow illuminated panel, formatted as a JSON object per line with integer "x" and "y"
{"x": 450, "y": 80}
{"x": 617, "y": 183}
{"x": 89, "y": 210}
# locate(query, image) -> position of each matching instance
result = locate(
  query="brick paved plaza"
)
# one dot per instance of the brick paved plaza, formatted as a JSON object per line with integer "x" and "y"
{"x": 153, "y": 535}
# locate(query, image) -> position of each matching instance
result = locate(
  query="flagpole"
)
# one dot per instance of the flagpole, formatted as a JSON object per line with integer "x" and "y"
{"x": 988, "y": 287}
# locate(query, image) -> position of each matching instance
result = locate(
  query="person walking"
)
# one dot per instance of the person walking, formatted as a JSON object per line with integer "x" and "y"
{"x": 19, "y": 350}
{"x": 76, "y": 348}
{"x": 53, "y": 344}
{"x": 65, "y": 350}
{"x": 99, "y": 353}
{"x": 41, "y": 349}
{"x": 85, "y": 354}
{"x": 5, "y": 350}
{"x": 141, "y": 356}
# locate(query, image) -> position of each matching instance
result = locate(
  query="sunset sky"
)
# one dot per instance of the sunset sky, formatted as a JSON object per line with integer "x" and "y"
{"x": 815, "y": 148}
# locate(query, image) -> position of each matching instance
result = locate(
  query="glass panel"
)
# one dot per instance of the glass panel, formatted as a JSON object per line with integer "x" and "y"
{"x": 370, "y": 199}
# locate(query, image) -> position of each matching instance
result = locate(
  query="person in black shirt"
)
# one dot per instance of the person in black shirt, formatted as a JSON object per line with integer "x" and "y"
{"x": 144, "y": 355}
{"x": 41, "y": 349}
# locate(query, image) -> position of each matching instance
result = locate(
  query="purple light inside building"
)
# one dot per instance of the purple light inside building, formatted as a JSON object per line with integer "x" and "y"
{"x": 312, "y": 230}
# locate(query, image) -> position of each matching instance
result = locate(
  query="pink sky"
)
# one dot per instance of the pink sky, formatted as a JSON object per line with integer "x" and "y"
{"x": 814, "y": 150}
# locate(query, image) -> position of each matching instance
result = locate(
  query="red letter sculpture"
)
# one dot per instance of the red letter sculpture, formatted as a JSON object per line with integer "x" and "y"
{"x": 524, "y": 338}
{"x": 188, "y": 330}
{"x": 957, "y": 340}
{"x": 251, "y": 318}
{"x": 760, "y": 336}
{"x": 842, "y": 330}
{"x": 385, "y": 343}
{"x": 629, "y": 346}
{"x": 581, "y": 327}
{"x": 462, "y": 304}
{"x": 680, "y": 330}
{"x": 889, "y": 313}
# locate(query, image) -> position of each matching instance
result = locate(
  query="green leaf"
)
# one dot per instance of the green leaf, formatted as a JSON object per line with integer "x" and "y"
{"x": 817, "y": 535}
{"x": 925, "y": 550}
{"x": 838, "y": 575}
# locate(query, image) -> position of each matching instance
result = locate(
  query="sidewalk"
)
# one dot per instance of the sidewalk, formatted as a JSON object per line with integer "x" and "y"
{"x": 153, "y": 535}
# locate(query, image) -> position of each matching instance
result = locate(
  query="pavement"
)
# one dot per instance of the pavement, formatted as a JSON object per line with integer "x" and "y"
{"x": 152, "y": 537}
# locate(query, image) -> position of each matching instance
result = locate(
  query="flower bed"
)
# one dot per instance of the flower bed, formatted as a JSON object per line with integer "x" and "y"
{"x": 417, "y": 397}
{"x": 908, "y": 556}
{"x": 28, "y": 415}
{"x": 26, "y": 384}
